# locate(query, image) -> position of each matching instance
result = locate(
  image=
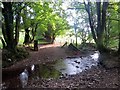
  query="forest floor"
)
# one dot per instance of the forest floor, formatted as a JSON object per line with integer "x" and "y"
{"x": 96, "y": 77}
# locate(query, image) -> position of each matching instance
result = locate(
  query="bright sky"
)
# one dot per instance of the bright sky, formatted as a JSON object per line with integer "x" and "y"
{"x": 73, "y": 16}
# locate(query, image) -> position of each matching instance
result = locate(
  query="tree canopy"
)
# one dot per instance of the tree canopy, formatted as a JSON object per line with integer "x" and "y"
{"x": 46, "y": 20}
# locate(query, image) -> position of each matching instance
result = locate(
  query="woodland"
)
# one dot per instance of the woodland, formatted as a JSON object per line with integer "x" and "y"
{"x": 38, "y": 34}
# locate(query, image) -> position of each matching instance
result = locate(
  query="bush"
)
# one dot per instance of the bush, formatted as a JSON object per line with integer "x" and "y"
{"x": 9, "y": 58}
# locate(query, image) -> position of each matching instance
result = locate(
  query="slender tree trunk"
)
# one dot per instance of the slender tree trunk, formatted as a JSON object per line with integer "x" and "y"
{"x": 119, "y": 29}
{"x": 4, "y": 34}
{"x": 107, "y": 33}
{"x": 98, "y": 6}
{"x": 17, "y": 29}
{"x": 27, "y": 38}
{"x": 53, "y": 38}
{"x": 3, "y": 43}
{"x": 34, "y": 32}
{"x": 119, "y": 44}
{"x": 101, "y": 25}
{"x": 33, "y": 35}
{"x": 87, "y": 7}
{"x": 97, "y": 33}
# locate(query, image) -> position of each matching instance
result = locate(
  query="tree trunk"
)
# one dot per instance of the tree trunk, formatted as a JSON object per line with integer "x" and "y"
{"x": 48, "y": 36}
{"x": 34, "y": 32}
{"x": 101, "y": 23}
{"x": 119, "y": 29}
{"x": 119, "y": 44}
{"x": 35, "y": 45}
{"x": 17, "y": 28}
{"x": 107, "y": 33}
{"x": 87, "y": 7}
{"x": 9, "y": 27}
{"x": 33, "y": 35}
{"x": 97, "y": 33}
{"x": 53, "y": 38}
{"x": 3, "y": 43}
{"x": 27, "y": 36}
{"x": 3, "y": 32}
{"x": 98, "y": 5}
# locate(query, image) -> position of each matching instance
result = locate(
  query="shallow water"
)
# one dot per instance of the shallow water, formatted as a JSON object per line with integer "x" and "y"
{"x": 69, "y": 66}
{"x": 72, "y": 66}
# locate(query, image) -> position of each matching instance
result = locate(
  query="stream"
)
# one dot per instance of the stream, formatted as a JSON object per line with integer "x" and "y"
{"x": 60, "y": 68}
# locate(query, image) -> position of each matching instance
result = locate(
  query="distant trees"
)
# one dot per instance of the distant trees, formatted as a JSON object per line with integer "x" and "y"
{"x": 103, "y": 19}
{"x": 55, "y": 27}
{"x": 27, "y": 22}
{"x": 50, "y": 23}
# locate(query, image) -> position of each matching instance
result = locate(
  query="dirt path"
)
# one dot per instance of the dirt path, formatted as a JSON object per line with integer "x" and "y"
{"x": 45, "y": 53}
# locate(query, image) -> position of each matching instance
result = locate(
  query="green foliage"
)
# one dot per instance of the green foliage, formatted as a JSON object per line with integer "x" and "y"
{"x": 113, "y": 25}
{"x": 40, "y": 13}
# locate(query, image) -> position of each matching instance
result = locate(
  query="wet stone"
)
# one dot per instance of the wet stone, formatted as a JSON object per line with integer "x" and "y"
{"x": 77, "y": 66}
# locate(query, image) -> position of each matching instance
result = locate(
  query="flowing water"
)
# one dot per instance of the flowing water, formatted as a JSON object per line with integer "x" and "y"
{"x": 64, "y": 68}
{"x": 72, "y": 66}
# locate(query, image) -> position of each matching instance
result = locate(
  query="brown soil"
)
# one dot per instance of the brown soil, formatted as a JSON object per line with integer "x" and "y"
{"x": 96, "y": 77}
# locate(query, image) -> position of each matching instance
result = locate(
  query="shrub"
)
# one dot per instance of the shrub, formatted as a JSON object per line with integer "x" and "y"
{"x": 9, "y": 58}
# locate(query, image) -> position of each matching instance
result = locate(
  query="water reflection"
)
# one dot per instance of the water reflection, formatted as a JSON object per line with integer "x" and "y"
{"x": 45, "y": 71}
{"x": 72, "y": 66}
{"x": 32, "y": 67}
{"x": 95, "y": 56}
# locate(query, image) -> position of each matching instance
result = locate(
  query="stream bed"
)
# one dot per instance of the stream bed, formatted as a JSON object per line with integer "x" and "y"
{"x": 60, "y": 68}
